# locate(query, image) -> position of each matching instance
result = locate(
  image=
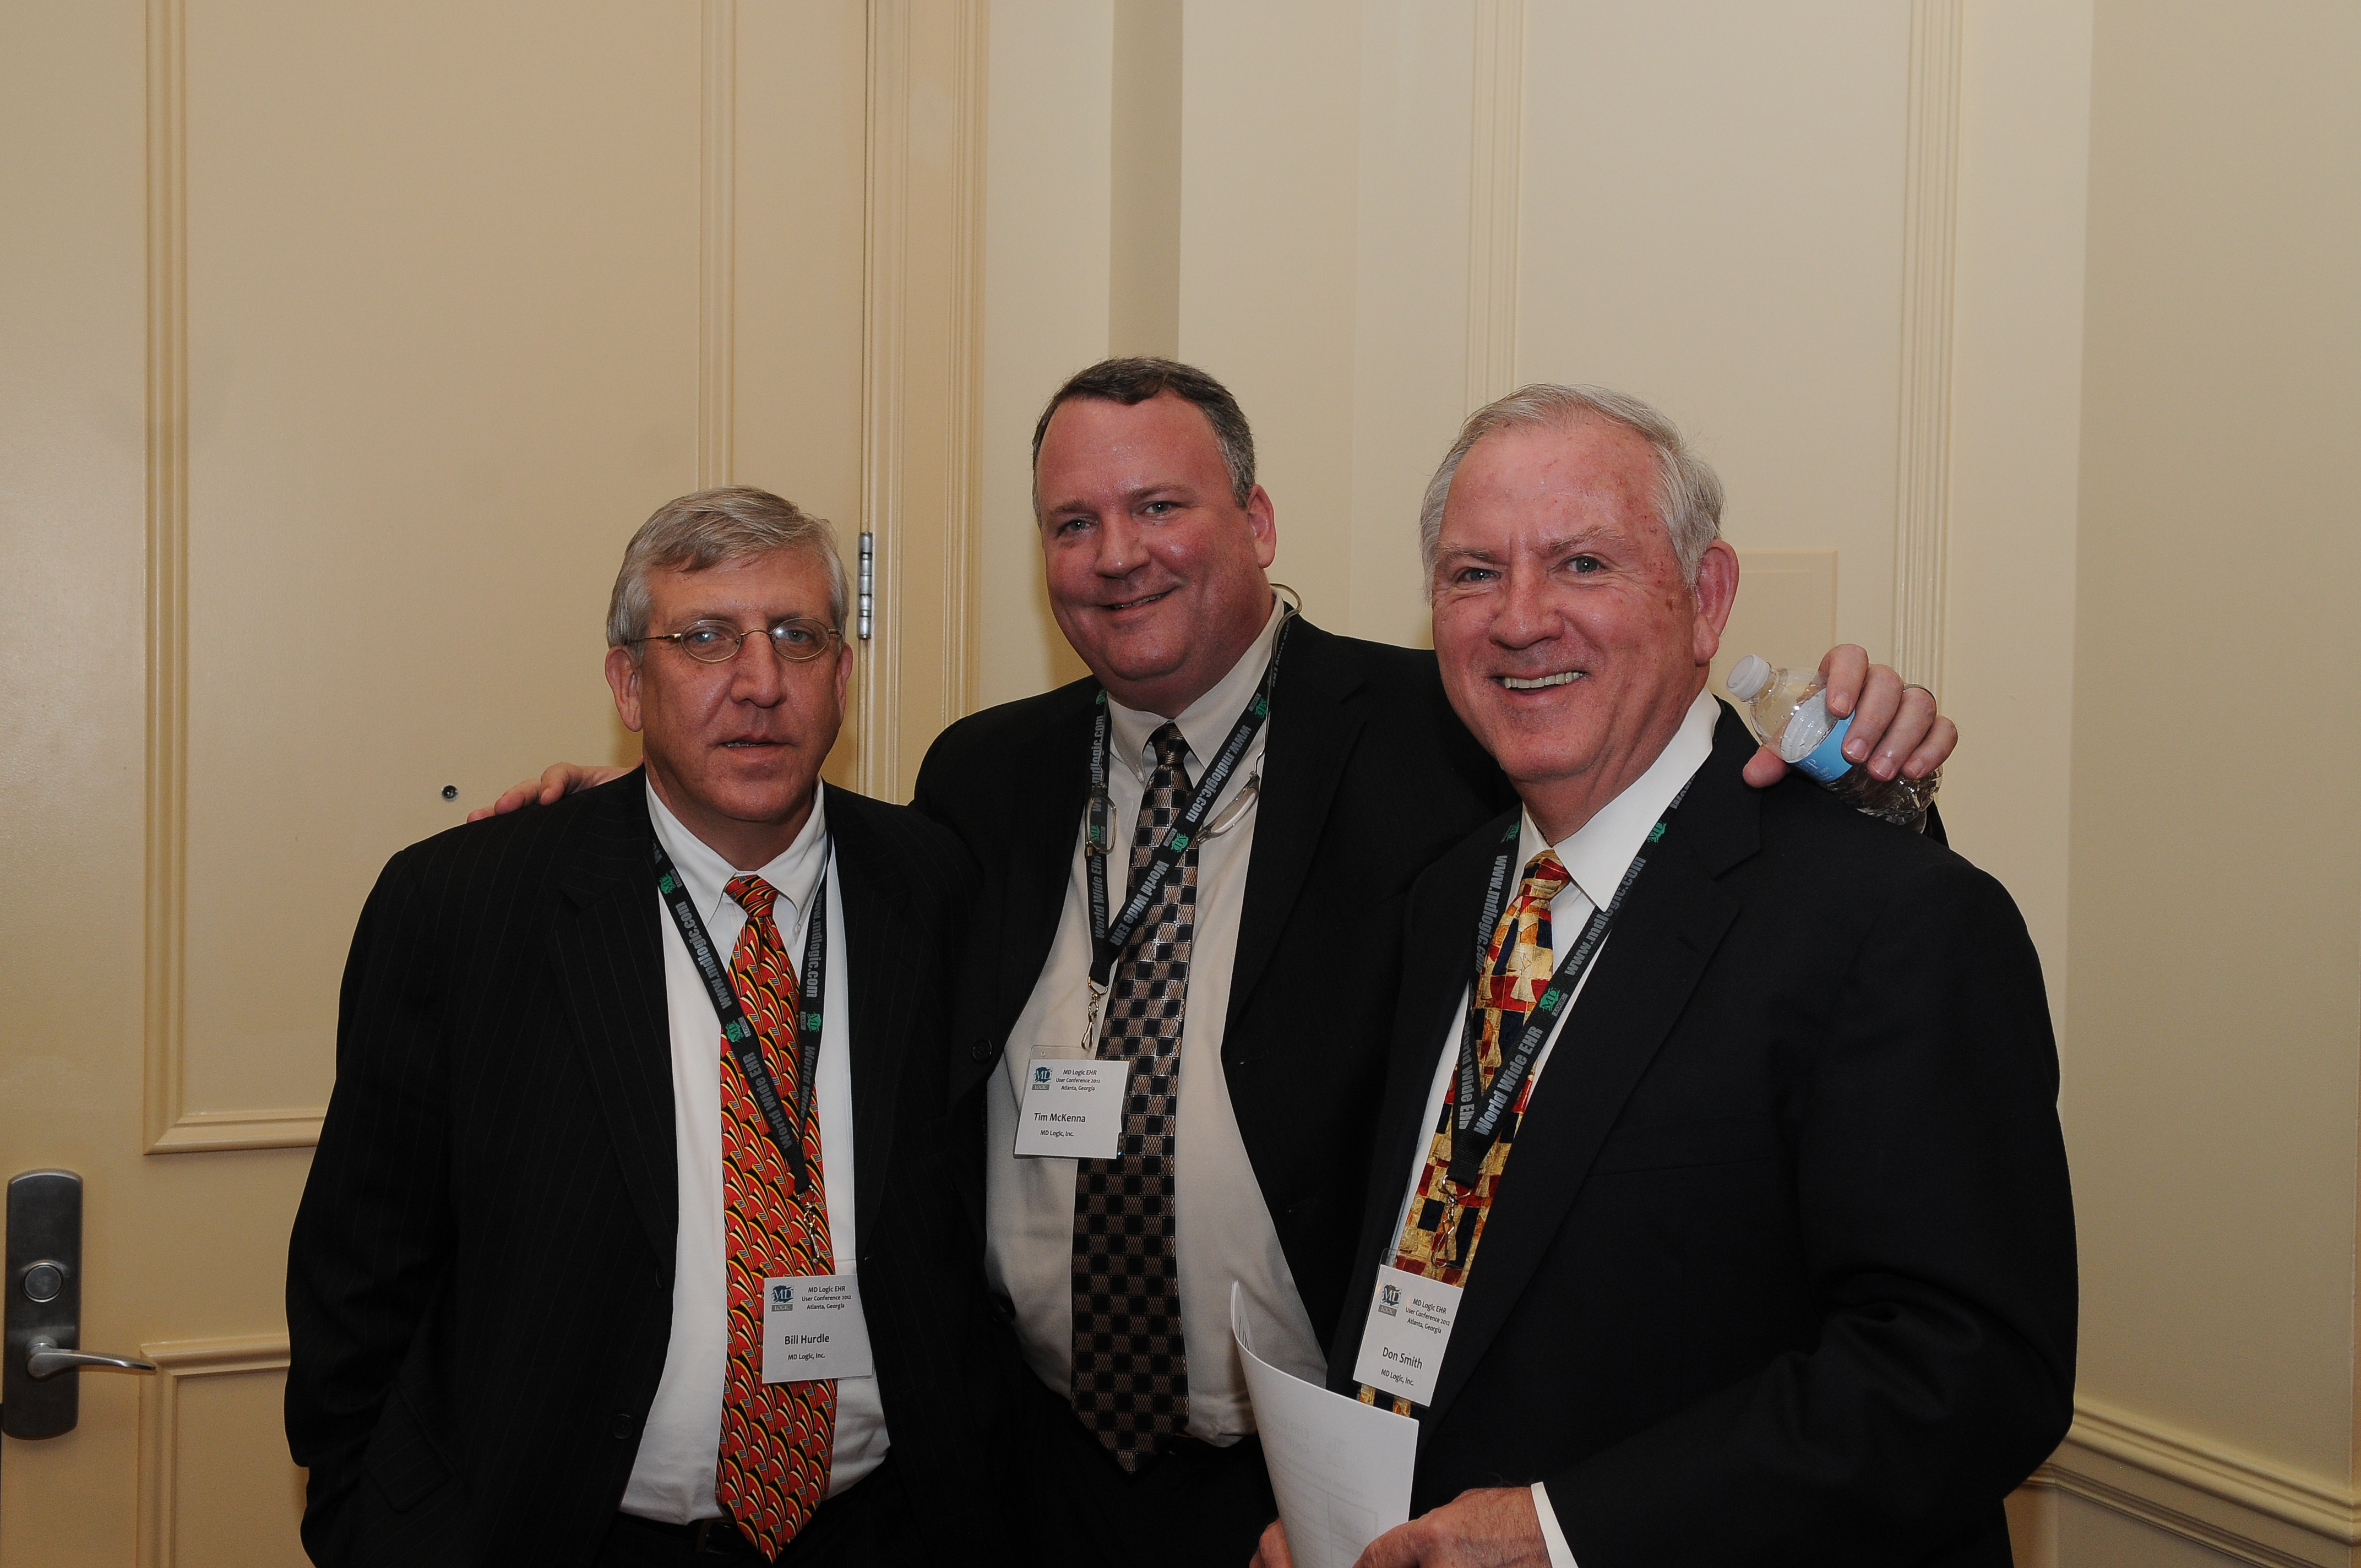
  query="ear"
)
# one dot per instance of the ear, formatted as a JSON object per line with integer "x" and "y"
{"x": 623, "y": 680}
{"x": 1263, "y": 518}
{"x": 1716, "y": 591}
{"x": 843, "y": 676}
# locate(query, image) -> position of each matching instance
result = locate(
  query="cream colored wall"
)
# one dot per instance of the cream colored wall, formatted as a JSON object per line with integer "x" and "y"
{"x": 2016, "y": 372}
{"x": 2215, "y": 890}
{"x": 1047, "y": 221}
{"x": 1713, "y": 220}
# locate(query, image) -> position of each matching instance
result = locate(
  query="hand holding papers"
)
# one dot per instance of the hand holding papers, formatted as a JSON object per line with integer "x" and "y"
{"x": 1342, "y": 1469}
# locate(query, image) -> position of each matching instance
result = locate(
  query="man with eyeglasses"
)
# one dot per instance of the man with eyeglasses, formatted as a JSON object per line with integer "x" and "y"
{"x": 628, "y": 1240}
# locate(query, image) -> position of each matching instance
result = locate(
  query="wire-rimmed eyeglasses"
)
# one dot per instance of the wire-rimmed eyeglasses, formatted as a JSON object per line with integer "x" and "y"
{"x": 795, "y": 639}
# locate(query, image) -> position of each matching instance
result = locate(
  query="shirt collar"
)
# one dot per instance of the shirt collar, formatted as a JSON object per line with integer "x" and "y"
{"x": 1598, "y": 853}
{"x": 1204, "y": 723}
{"x": 707, "y": 875}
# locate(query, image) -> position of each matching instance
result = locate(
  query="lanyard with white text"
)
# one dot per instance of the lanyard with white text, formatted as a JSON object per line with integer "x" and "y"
{"x": 1475, "y": 1130}
{"x": 1109, "y": 939}
{"x": 738, "y": 1031}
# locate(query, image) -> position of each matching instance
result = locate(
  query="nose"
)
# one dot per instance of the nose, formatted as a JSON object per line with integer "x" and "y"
{"x": 757, "y": 672}
{"x": 1527, "y": 614}
{"x": 1121, "y": 549}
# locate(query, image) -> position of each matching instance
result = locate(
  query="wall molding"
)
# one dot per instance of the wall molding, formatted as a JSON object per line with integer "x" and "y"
{"x": 963, "y": 538}
{"x": 170, "y": 1126}
{"x": 885, "y": 312}
{"x": 2236, "y": 1503}
{"x": 920, "y": 478}
{"x": 1929, "y": 208}
{"x": 717, "y": 245}
{"x": 159, "y": 1411}
{"x": 1495, "y": 200}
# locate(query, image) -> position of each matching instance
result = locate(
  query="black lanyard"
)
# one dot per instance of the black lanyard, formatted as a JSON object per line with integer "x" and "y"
{"x": 1474, "y": 1132}
{"x": 737, "y": 1030}
{"x": 1108, "y": 940}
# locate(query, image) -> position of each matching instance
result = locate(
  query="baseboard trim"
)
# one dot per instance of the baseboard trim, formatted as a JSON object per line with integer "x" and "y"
{"x": 2221, "y": 1498}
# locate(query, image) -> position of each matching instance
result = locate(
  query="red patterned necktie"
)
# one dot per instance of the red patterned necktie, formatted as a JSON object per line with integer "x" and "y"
{"x": 1439, "y": 1236}
{"x": 776, "y": 1438}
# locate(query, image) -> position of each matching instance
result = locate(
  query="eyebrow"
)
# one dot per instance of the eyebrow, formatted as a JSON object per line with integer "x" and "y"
{"x": 694, "y": 618}
{"x": 1597, "y": 535}
{"x": 1177, "y": 489}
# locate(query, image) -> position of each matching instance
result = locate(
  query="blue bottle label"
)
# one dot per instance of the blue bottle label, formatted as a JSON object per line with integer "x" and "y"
{"x": 1828, "y": 761}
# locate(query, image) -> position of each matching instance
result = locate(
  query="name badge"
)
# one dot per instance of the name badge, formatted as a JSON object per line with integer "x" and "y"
{"x": 812, "y": 1328}
{"x": 1072, "y": 1107}
{"x": 1402, "y": 1343}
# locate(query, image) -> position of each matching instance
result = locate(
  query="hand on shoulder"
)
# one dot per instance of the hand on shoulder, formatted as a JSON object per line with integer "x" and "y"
{"x": 556, "y": 782}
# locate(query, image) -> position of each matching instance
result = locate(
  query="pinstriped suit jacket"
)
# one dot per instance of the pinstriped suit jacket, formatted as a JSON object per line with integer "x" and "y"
{"x": 480, "y": 1282}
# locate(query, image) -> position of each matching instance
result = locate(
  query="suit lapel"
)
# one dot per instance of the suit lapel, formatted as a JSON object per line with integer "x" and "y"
{"x": 874, "y": 891}
{"x": 607, "y": 963}
{"x": 1659, "y": 949}
{"x": 1312, "y": 735}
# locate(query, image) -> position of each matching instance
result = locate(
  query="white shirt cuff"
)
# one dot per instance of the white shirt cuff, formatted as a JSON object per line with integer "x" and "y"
{"x": 1561, "y": 1554}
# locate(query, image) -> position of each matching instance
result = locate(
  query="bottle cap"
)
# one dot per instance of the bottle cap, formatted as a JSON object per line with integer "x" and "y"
{"x": 1747, "y": 676}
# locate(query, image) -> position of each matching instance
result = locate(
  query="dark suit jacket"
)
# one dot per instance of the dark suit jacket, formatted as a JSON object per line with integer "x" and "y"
{"x": 1782, "y": 1267}
{"x": 1368, "y": 776}
{"x": 480, "y": 1285}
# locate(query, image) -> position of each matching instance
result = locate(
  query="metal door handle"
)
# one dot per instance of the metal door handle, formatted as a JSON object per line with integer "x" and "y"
{"x": 41, "y": 1291}
{"x": 44, "y": 1359}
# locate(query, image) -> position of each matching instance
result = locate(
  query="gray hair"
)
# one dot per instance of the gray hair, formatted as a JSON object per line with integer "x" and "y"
{"x": 707, "y": 529}
{"x": 1688, "y": 492}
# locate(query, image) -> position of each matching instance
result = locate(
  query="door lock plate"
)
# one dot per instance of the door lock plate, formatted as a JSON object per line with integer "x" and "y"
{"x": 44, "y": 1302}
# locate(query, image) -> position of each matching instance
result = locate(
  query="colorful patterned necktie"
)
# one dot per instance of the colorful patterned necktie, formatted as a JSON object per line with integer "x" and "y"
{"x": 1131, "y": 1368}
{"x": 1444, "y": 1225}
{"x": 776, "y": 1438}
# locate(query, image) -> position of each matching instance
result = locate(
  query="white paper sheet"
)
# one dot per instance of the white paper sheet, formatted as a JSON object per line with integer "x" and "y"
{"x": 1342, "y": 1469}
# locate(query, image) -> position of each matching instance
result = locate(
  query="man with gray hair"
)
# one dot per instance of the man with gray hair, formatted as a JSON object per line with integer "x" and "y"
{"x": 1719, "y": 1210}
{"x": 627, "y": 1242}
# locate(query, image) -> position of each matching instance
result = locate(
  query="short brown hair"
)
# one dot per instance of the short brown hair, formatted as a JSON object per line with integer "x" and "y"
{"x": 1134, "y": 381}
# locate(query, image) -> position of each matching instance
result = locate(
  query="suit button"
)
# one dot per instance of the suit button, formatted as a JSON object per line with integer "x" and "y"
{"x": 982, "y": 1051}
{"x": 624, "y": 1424}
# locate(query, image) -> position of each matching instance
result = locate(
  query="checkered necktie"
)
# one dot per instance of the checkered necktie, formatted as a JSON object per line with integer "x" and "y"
{"x": 1131, "y": 1370}
{"x": 776, "y": 1438}
{"x": 1439, "y": 1238}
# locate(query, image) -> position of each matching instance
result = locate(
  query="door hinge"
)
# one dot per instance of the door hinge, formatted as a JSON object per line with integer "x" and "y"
{"x": 868, "y": 581}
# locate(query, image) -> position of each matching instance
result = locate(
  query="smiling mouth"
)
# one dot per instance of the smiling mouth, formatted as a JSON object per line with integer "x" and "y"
{"x": 1516, "y": 684}
{"x": 742, "y": 745}
{"x": 1135, "y": 604}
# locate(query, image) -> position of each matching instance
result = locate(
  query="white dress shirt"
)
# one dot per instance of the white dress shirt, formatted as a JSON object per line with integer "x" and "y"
{"x": 1223, "y": 1229}
{"x": 1596, "y": 856}
{"x": 672, "y": 1479}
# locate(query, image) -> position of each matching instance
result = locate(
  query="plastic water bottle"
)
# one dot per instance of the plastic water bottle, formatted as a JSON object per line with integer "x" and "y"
{"x": 1790, "y": 709}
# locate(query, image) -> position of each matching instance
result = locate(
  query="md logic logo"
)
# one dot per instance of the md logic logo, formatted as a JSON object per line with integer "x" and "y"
{"x": 1389, "y": 1300}
{"x": 782, "y": 1294}
{"x": 1040, "y": 1075}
